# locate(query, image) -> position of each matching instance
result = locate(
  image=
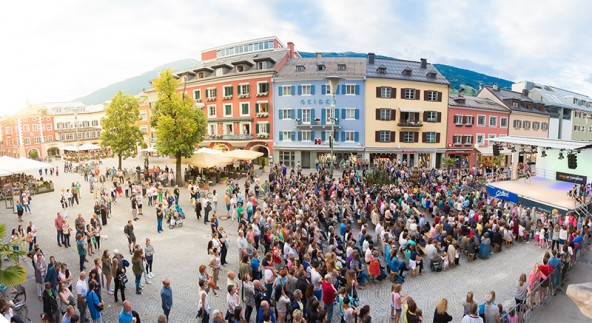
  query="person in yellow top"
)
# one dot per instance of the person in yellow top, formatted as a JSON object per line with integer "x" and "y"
{"x": 479, "y": 227}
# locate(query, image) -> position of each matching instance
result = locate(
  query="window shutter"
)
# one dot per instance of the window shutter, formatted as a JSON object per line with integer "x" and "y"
{"x": 393, "y": 134}
{"x": 378, "y": 91}
{"x": 280, "y": 90}
{"x": 281, "y": 114}
{"x": 323, "y": 116}
{"x": 312, "y": 135}
{"x": 356, "y": 136}
{"x": 299, "y": 116}
{"x": 377, "y": 136}
{"x": 439, "y": 116}
{"x": 293, "y": 90}
{"x": 281, "y": 135}
{"x": 343, "y": 89}
{"x": 215, "y": 92}
{"x": 415, "y": 136}
{"x": 377, "y": 114}
{"x": 293, "y": 135}
{"x": 357, "y": 116}
{"x": 299, "y": 89}
{"x": 425, "y": 95}
{"x": 312, "y": 90}
{"x": 425, "y": 116}
{"x": 417, "y": 92}
{"x": 343, "y": 136}
{"x": 299, "y": 135}
{"x": 357, "y": 90}
{"x": 268, "y": 126}
{"x": 293, "y": 114}
{"x": 437, "y": 137}
{"x": 393, "y": 114}
{"x": 393, "y": 93}
{"x": 343, "y": 114}
{"x": 439, "y": 96}
{"x": 257, "y": 108}
{"x": 402, "y": 93}
{"x": 312, "y": 115}
{"x": 401, "y": 137}
{"x": 207, "y": 94}
{"x": 424, "y": 137}
{"x": 323, "y": 89}
{"x": 336, "y": 116}
{"x": 323, "y": 136}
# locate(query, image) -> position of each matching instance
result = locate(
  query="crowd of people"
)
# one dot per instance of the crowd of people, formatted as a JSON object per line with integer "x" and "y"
{"x": 307, "y": 243}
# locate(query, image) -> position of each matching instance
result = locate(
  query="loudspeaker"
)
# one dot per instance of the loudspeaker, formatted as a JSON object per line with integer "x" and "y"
{"x": 572, "y": 161}
{"x": 496, "y": 150}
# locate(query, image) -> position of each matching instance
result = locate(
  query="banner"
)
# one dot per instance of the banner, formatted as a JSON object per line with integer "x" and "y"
{"x": 498, "y": 193}
{"x": 570, "y": 178}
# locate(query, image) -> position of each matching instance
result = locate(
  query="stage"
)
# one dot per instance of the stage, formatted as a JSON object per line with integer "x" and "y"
{"x": 543, "y": 193}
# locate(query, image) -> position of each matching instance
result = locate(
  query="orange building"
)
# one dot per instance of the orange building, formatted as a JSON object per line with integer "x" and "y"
{"x": 233, "y": 87}
{"x": 27, "y": 131}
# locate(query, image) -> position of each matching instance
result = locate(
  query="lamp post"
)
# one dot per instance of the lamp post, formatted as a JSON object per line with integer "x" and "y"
{"x": 77, "y": 138}
{"x": 333, "y": 83}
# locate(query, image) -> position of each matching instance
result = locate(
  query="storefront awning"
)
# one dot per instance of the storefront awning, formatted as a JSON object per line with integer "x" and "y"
{"x": 407, "y": 109}
{"x": 488, "y": 151}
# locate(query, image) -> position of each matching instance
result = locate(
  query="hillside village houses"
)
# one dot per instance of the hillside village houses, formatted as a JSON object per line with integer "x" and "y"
{"x": 262, "y": 95}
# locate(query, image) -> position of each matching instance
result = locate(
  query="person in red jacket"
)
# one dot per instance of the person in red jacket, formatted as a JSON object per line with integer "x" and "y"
{"x": 546, "y": 270}
{"x": 329, "y": 293}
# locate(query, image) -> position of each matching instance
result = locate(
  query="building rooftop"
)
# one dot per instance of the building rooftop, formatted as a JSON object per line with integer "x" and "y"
{"x": 558, "y": 97}
{"x": 320, "y": 67}
{"x": 525, "y": 104}
{"x": 474, "y": 102}
{"x": 392, "y": 68}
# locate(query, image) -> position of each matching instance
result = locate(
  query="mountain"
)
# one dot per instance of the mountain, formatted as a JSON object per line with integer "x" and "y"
{"x": 459, "y": 78}
{"x": 135, "y": 84}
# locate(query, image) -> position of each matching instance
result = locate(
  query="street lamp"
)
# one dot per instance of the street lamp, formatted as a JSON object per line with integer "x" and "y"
{"x": 333, "y": 82}
{"x": 77, "y": 138}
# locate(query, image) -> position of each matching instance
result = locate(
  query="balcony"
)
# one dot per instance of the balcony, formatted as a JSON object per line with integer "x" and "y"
{"x": 262, "y": 114}
{"x": 211, "y": 99}
{"x": 410, "y": 124}
{"x": 244, "y": 96}
{"x": 227, "y": 97}
{"x": 262, "y": 94}
{"x": 230, "y": 137}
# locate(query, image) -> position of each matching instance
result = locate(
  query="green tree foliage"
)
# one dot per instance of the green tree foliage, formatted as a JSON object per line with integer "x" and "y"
{"x": 14, "y": 274}
{"x": 179, "y": 125}
{"x": 120, "y": 130}
{"x": 33, "y": 154}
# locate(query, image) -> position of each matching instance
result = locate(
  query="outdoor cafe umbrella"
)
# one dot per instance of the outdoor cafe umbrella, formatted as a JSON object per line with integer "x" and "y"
{"x": 242, "y": 154}
{"x": 9, "y": 165}
{"x": 206, "y": 160}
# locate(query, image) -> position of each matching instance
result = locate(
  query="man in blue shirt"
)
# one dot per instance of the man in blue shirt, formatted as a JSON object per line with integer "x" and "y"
{"x": 556, "y": 264}
{"x": 94, "y": 303}
{"x": 166, "y": 294}
{"x": 265, "y": 309}
{"x": 126, "y": 315}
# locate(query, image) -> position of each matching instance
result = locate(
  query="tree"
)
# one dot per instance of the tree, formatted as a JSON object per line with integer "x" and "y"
{"x": 33, "y": 154}
{"x": 120, "y": 131}
{"x": 15, "y": 274}
{"x": 179, "y": 125}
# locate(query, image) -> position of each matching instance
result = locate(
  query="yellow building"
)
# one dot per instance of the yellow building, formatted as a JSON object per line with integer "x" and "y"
{"x": 406, "y": 111}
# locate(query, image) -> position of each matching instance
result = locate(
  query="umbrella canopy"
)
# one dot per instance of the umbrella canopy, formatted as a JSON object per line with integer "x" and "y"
{"x": 242, "y": 154}
{"x": 209, "y": 151}
{"x": 148, "y": 150}
{"x": 82, "y": 147}
{"x": 205, "y": 160}
{"x": 9, "y": 165}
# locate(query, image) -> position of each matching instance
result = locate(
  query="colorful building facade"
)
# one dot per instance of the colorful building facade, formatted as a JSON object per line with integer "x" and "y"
{"x": 304, "y": 119}
{"x": 27, "y": 133}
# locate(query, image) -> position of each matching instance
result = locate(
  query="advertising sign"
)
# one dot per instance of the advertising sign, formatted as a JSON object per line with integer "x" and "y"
{"x": 570, "y": 178}
{"x": 498, "y": 193}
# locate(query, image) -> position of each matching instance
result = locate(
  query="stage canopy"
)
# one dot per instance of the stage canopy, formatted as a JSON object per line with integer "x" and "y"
{"x": 9, "y": 165}
{"x": 207, "y": 160}
{"x": 84, "y": 147}
{"x": 488, "y": 151}
{"x": 543, "y": 142}
{"x": 242, "y": 154}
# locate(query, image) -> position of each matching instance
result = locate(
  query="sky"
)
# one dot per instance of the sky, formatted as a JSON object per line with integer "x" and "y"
{"x": 59, "y": 50}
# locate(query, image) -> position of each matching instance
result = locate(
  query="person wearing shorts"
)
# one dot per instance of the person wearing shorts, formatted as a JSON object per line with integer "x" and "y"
{"x": 131, "y": 236}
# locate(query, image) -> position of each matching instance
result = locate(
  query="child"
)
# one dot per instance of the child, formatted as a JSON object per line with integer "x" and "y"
{"x": 445, "y": 263}
{"x": 396, "y": 302}
{"x": 542, "y": 238}
{"x": 536, "y": 236}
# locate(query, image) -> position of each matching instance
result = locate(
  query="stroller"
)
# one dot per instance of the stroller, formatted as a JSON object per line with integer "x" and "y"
{"x": 175, "y": 216}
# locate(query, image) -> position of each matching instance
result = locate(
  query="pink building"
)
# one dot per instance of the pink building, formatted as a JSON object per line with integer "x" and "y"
{"x": 471, "y": 122}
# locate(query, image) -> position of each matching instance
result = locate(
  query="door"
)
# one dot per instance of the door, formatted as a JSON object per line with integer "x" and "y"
{"x": 305, "y": 156}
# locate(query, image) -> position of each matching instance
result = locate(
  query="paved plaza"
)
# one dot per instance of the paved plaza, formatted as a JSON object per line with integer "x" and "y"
{"x": 180, "y": 251}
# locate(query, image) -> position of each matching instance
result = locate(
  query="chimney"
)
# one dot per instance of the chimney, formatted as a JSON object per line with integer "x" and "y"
{"x": 424, "y": 63}
{"x": 461, "y": 92}
{"x": 291, "y": 47}
{"x": 319, "y": 55}
{"x": 495, "y": 87}
{"x": 371, "y": 58}
{"x": 525, "y": 92}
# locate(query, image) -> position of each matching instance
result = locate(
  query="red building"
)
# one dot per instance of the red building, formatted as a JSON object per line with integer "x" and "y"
{"x": 25, "y": 132}
{"x": 233, "y": 87}
{"x": 471, "y": 122}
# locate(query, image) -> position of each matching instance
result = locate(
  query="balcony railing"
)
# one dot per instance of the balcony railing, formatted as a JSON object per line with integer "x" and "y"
{"x": 411, "y": 123}
{"x": 230, "y": 137}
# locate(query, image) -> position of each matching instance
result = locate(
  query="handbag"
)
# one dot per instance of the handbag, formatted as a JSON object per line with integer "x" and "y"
{"x": 122, "y": 277}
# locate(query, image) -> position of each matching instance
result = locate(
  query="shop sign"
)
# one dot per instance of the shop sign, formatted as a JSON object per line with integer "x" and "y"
{"x": 570, "y": 178}
{"x": 323, "y": 102}
{"x": 498, "y": 193}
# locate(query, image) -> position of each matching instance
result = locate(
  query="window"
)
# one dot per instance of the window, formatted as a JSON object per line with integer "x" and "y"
{"x": 212, "y": 129}
{"x": 263, "y": 128}
{"x": 307, "y": 135}
{"x": 385, "y": 114}
{"x": 306, "y": 115}
{"x": 306, "y": 90}
{"x": 262, "y": 65}
{"x": 286, "y": 90}
{"x": 262, "y": 88}
{"x": 328, "y": 134}
{"x": 350, "y": 90}
{"x": 480, "y": 120}
{"x": 431, "y": 116}
{"x": 503, "y": 122}
{"x": 526, "y": 124}
{"x": 350, "y": 114}
{"x": 228, "y": 110}
{"x": 197, "y": 95}
{"x": 489, "y": 137}
{"x": 35, "y": 127}
{"x": 49, "y": 138}
{"x": 245, "y": 128}
{"x": 330, "y": 116}
{"x": 350, "y": 136}
{"x": 286, "y": 135}
{"x": 228, "y": 91}
{"x": 410, "y": 94}
{"x": 211, "y": 111}
{"x": 36, "y": 140}
{"x": 386, "y": 92}
{"x": 468, "y": 139}
{"x": 515, "y": 104}
{"x": 243, "y": 89}
{"x": 144, "y": 129}
{"x": 457, "y": 140}
{"x": 341, "y": 67}
{"x": 287, "y": 158}
{"x": 48, "y": 127}
{"x": 492, "y": 121}
{"x": 517, "y": 124}
{"x": 536, "y": 125}
{"x": 544, "y": 126}
{"x": 469, "y": 120}
{"x": 211, "y": 93}
{"x": 285, "y": 114}
{"x": 458, "y": 119}
{"x": 328, "y": 89}
{"x": 431, "y": 96}
{"x": 26, "y": 128}
{"x": 321, "y": 67}
{"x": 408, "y": 136}
{"x": 300, "y": 68}
{"x": 430, "y": 137}
{"x": 142, "y": 115}
{"x": 85, "y": 124}
{"x": 26, "y": 141}
{"x": 245, "y": 109}
{"x": 262, "y": 107}
{"x": 381, "y": 70}
{"x": 480, "y": 139}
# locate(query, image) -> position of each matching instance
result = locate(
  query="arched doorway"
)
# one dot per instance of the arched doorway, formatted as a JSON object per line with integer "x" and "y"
{"x": 53, "y": 152}
{"x": 263, "y": 160}
{"x": 33, "y": 153}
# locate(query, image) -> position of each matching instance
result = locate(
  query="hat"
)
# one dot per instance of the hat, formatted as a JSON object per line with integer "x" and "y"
{"x": 115, "y": 252}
